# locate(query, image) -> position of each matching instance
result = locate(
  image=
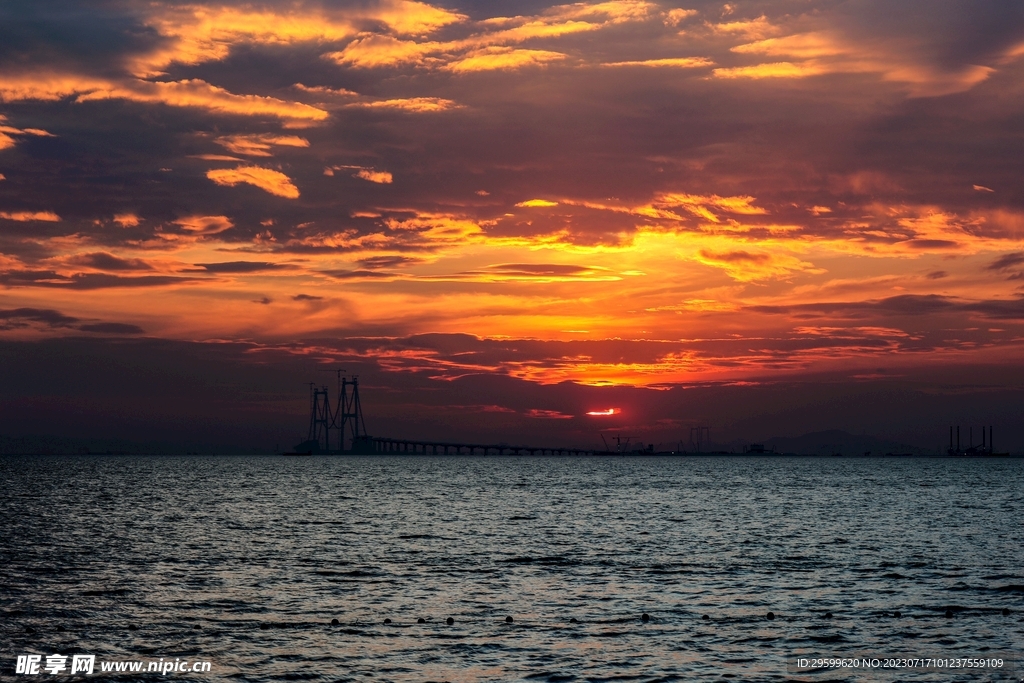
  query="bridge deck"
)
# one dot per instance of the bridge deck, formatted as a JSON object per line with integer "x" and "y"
{"x": 386, "y": 445}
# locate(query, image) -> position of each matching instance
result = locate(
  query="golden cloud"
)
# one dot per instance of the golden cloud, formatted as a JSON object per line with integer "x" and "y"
{"x": 274, "y": 182}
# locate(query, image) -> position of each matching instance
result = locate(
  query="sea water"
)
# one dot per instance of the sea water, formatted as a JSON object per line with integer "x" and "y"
{"x": 243, "y": 562}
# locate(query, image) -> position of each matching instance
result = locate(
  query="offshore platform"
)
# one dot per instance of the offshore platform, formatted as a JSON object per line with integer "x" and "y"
{"x": 973, "y": 448}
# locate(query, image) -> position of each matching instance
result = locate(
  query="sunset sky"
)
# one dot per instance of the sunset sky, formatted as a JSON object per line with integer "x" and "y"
{"x": 774, "y": 217}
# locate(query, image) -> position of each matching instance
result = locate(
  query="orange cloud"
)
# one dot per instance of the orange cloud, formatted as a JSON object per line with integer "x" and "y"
{"x": 751, "y": 266}
{"x": 126, "y": 220}
{"x": 438, "y": 228}
{"x": 674, "y": 62}
{"x": 530, "y": 272}
{"x": 801, "y": 45}
{"x": 27, "y": 216}
{"x": 274, "y": 182}
{"x": 698, "y": 204}
{"x": 203, "y": 33}
{"x": 197, "y": 93}
{"x": 186, "y": 93}
{"x": 613, "y": 11}
{"x": 773, "y": 70}
{"x": 821, "y": 52}
{"x": 406, "y": 16}
{"x": 547, "y": 414}
{"x": 751, "y": 28}
{"x": 495, "y": 58}
{"x": 323, "y": 90}
{"x": 411, "y": 104}
{"x": 674, "y": 17}
{"x": 537, "y": 202}
{"x": 205, "y": 225}
{"x": 6, "y": 141}
{"x": 492, "y": 47}
{"x": 375, "y": 50}
{"x": 258, "y": 144}
{"x": 382, "y": 177}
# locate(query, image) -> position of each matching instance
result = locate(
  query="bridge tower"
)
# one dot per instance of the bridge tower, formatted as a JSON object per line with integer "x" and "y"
{"x": 349, "y": 421}
{"x": 320, "y": 418}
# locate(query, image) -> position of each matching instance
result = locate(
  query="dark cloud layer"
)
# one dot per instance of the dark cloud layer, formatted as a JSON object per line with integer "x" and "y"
{"x": 25, "y": 317}
{"x": 153, "y": 390}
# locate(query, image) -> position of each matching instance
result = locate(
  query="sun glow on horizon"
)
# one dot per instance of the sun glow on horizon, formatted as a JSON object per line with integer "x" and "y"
{"x": 604, "y": 413}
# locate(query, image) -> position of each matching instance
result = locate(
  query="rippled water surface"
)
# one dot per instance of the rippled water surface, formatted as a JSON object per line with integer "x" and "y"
{"x": 244, "y": 561}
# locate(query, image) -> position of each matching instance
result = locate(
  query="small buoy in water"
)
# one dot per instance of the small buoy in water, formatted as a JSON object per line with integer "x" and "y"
{"x": 334, "y": 622}
{"x": 449, "y": 621}
{"x": 508, "y": 620}
{"x": 197, "y": 627}
{"x": 1006, "y": 611}
{"x": 770, "y": 616}
{"x": 264, "y": 627}
{"x": 897, "y": 614}
{"x": 387, "y": 621}
{"x": 949, "y": 613}
{"x": 574, "y": 621}
{"x": 29, "y": 629}
{"x": 706, "y": 618}
{"x": 421, "y": 620}
{"x": 133, "y": 627}
{"x": 645, "y": 617}
{"x": 828, "y": 615}
{"x": 60, "y": 629}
